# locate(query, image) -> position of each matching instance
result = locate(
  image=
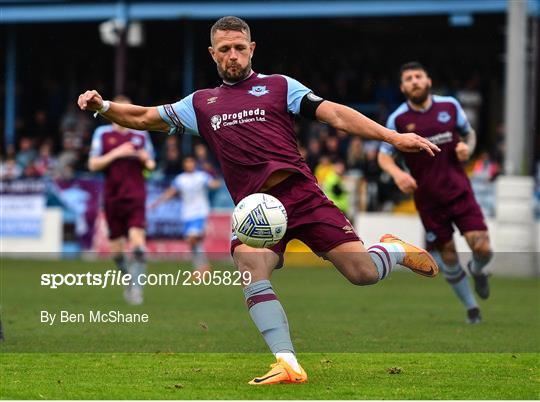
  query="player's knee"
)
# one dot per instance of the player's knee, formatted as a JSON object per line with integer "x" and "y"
{"x": 449, "y": 258}
{"x": 448, "y": 254}
{"x": 481, "y": 247}
{"x": 482, "y": 251}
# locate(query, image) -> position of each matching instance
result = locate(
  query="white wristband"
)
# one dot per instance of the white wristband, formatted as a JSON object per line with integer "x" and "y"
{"x": 104, "y": 107}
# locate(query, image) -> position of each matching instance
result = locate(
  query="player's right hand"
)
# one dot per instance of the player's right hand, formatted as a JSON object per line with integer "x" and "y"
{"x": 90, "y": 100}
{"x": 411, "y": 142}
{"x": 125, "y": 150}
{"x": 405, "y": 182}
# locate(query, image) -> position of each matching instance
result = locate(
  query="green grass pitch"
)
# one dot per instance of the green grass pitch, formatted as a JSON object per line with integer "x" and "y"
{"x": 402, "y": 339}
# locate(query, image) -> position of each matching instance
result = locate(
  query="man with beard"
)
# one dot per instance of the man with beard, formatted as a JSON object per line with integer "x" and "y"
{"x": 248, "y": 124}
{"x": 442, "y": 191}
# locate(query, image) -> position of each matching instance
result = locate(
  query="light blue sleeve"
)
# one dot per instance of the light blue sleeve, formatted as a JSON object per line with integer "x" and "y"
{"x": 295, "y": 92}
{"x": 385, "y": 147}
{"x": 96, "y": 148}
{"x": 180, "y": 116}
{"x": 462, "y": 122}
{"x": 148, "y": 147}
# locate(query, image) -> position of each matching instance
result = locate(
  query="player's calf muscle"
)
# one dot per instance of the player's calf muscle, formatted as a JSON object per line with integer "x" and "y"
{"x": 358, "y": 272}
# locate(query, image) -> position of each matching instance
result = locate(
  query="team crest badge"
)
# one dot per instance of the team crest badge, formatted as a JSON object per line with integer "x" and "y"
{"x": 258, "y": 90}
{"x": 410, "y": 127}
{"x": 136, "y": 141}
{"x": 215, "y": 121}
{"x": 443, "y": 117}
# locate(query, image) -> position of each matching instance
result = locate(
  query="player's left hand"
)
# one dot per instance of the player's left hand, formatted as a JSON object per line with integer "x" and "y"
{"x": 143, "y": 155}
{"x": 410, "y": 142}
{"x": 462, "y": 151}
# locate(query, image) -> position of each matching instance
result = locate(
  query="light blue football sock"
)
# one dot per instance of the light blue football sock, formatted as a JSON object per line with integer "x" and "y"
{"x": 458, "y": 280}
{"x": 121, "y": 263}
{"x": 477, "y": 264}
{"x": 198, "y": 255}
{"x": 268, "y": 315}
{"x": 138, "y": 265}
{"x": 385, "y": 256}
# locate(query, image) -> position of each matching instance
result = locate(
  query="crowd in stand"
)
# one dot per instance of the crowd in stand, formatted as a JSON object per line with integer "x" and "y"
{"x": 59, "y": 150}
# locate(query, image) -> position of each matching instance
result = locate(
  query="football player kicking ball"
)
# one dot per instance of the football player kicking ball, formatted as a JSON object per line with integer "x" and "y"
{"x": 192, "y": 186}
{"x": 248, "y": 122}
{"x": 123, "y": 154}
{"x": 442, "y": 191}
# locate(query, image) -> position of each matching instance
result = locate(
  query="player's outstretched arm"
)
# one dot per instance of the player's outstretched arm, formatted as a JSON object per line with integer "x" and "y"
{"x": 124, "y": 114}
{"x": 164, "y": 197}
{"x": 349, "y": 120}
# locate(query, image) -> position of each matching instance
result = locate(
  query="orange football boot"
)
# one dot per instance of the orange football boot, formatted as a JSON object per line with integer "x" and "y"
{"x": 279, "y": 373}
{"x": 416, "y": 259}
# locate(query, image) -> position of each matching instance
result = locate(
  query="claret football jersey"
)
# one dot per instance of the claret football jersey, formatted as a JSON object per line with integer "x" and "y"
{"x": 441, "y": 178}
{"x": 124, "y": 176}
{"x": 248, "y": 125}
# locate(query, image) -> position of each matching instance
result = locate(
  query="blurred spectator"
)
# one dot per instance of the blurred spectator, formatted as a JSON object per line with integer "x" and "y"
{"x": 171, "y": 164}
{"x": 76, "y": 127}
{"x": 331, "y": 146}
{"x": 372, "y": 174}
{"x": 318, "y": 130}
{"x": 355, "y": 155}
{"x": 67, "y": 160}
{"x": 45, "y": 163}
{"x": 470, "y": 98}
{"x": 204, "y": 161}
{"x": 40, "y": 127}
{"x": 344, "y": 139}
{"x": 334, "y": 187}
{"x": 10, "y": 169}
{"x": 313, "y": 153}
{"x": 26, "y": 154}
{"x": 484, "y": 172}
{"x": 323, "y": 169}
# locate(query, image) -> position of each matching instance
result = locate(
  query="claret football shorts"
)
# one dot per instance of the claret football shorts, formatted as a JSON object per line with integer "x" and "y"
{"x": 122, "y": 215}
{"x": 312, "y": 217}
{"x": 463, "y": 211}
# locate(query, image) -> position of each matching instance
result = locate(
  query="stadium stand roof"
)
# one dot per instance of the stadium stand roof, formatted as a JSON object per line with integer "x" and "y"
{"x": 38, "y": 11}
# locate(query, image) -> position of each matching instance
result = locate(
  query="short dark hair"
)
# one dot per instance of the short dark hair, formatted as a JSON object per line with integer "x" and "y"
{"x": 411, "y": 65}
{"x": 230, "y": 23}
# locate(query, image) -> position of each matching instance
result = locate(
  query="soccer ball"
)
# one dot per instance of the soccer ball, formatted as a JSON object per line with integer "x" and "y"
{"x": 259, "y": 220}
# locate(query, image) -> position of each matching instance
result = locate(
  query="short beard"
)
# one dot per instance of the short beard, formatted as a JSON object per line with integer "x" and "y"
{"x": 239, "y": 76}
{"x": 421, "y": 98}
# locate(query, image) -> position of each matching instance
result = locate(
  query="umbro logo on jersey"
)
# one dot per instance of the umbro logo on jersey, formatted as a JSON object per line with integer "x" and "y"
{"x": 348, "y": 229}
{"x": 211, "y": 100}
{"x": 444, "y": 117}
{"x": 410, "y": 127}
{"x": 258, "y": 90}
